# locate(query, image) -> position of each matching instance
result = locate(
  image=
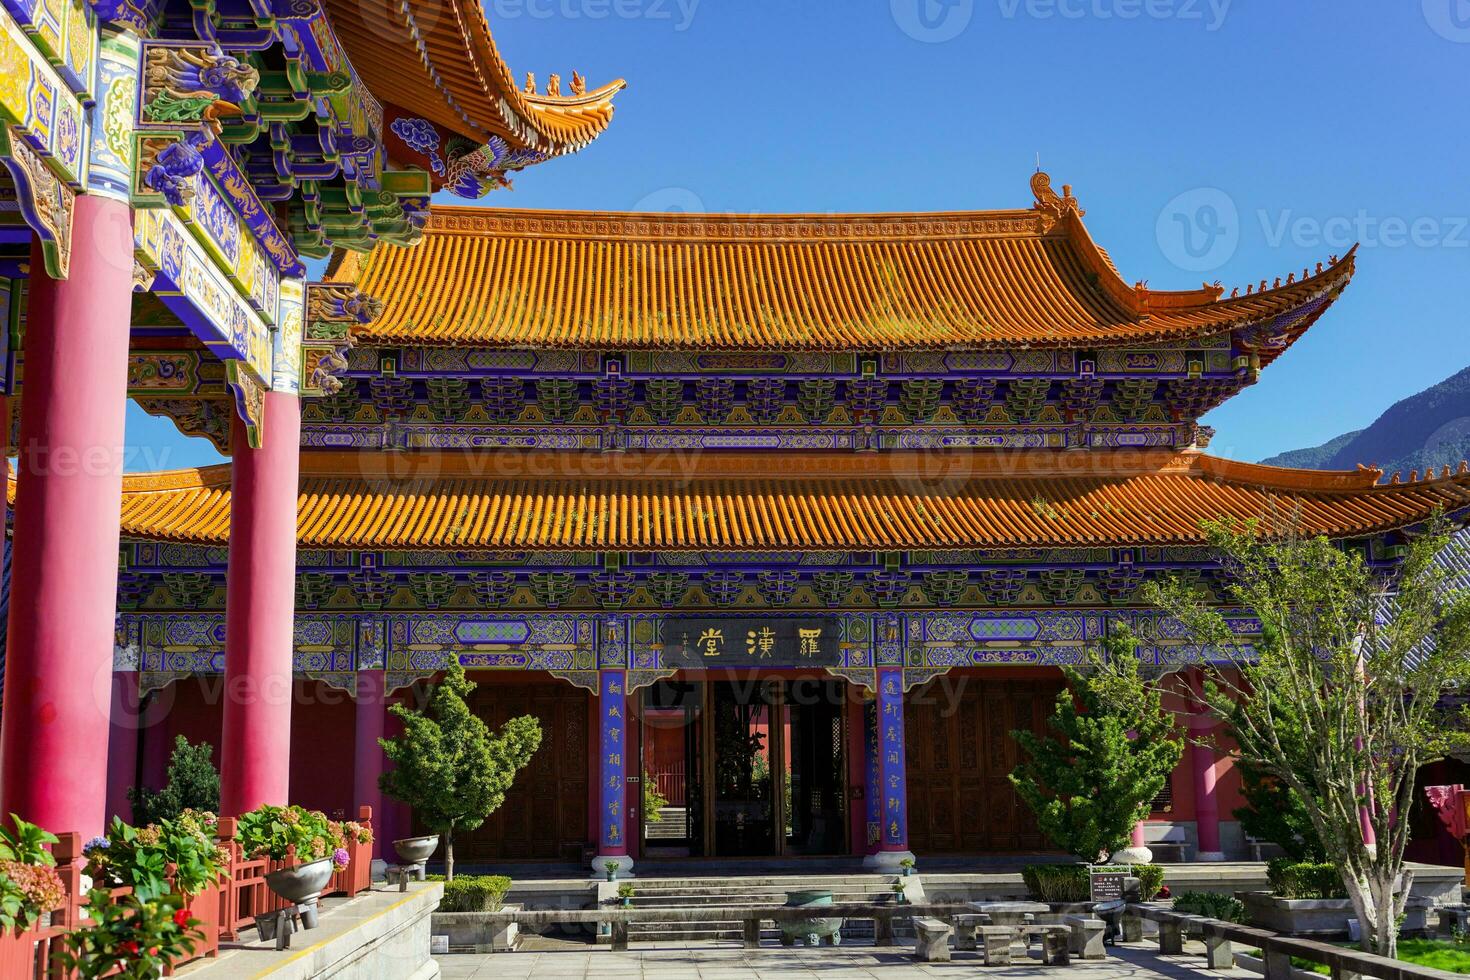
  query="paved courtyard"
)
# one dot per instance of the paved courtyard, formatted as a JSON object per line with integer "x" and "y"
{"x": 710, "y": 961}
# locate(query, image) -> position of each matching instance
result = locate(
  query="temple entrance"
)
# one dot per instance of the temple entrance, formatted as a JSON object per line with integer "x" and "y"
{"x": 751, "y": 768}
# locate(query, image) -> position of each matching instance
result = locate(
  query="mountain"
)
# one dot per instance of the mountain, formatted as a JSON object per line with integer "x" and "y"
{"x": 1431, "y": 428}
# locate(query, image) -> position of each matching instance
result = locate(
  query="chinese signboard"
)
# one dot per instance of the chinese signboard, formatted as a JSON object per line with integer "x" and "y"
{"x": 754, "y": 642}
{"x": 612, "y": 768}
{"x": 1107, "y": 886}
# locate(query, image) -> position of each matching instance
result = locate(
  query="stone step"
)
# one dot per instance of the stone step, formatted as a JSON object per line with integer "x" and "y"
{"x": 773, "y": 882}
{"x": 746, "y": 902}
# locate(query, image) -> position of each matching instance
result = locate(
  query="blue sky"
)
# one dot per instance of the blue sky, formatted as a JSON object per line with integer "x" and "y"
{"x": 1272, "y": 132}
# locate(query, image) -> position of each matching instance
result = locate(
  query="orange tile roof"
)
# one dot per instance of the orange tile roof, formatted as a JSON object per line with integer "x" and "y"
{"x": 744, "y": 502}
{"x": 597, "y": 280}
{"x": 436, "y": 58}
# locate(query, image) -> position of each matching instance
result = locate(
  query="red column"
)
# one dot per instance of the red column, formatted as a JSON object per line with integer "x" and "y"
{"x": 63, "y": 593}
{"x": 122, "y": 744}
{"x": 1202, "y": 759}
{"x": 260, "y": 604}
{"x": 367, "y": 761}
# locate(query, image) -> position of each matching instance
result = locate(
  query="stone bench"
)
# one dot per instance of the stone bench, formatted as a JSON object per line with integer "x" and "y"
{"x": 1453, "y": 919}
{"x": 965, "y": 925}
{"x": 1086, "y": 936}
{"x": 1056, "y": 940}
{"x": 933, "y": 939}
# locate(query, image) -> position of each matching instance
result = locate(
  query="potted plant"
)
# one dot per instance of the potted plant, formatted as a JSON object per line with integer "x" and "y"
{"x": 611, "y": 867}
{"x": 179, "y": 856}
{"x": 898, "y": 895}
{"x": 172, "y": 855}
{"x": 625, "y": 893}
{"x": 907, "y": 864}
{"x": 131, "y": 937}
{"x": 310, "y": 844}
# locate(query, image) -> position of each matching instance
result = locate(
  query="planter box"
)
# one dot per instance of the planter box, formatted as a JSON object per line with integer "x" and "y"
{"x": 207, "y": 908}
{"x": 18, "y": 951}
{"x": 1325, "y": 917}
{"x": 474, "y": 931}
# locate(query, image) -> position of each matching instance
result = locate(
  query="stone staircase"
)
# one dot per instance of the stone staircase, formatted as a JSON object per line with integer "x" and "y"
{"x": 741, "y": 892}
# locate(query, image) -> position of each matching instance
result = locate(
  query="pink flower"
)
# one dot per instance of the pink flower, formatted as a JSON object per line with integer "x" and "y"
{"x": 340, "y": 858}
{"x": 39, "y": 884}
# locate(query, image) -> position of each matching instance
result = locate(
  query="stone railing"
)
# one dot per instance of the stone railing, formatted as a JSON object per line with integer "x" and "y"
{"x": 1276, "y": 950}
{"x": 751, "y": 917}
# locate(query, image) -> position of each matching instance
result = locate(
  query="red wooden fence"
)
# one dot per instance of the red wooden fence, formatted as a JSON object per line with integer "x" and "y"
{"x": 668, "y": 779}
{"x": 223, "y": 909}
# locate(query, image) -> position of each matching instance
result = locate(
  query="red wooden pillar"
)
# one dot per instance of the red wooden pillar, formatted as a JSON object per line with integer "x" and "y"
{"x": 63, "y": 596}
{"x": 260, "y": 606}
{"x": 371, "y": 724}
{"x": 1202, "y": 759}
{"x": 122, "y": 743}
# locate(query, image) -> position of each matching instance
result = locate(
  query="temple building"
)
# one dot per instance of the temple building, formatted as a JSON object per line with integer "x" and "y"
{"x": 780, "y": 524}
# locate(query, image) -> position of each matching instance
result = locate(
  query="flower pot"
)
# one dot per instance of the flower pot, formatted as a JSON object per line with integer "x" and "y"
{"x": 416, "y": 850}
{"x": 301, "y": 885}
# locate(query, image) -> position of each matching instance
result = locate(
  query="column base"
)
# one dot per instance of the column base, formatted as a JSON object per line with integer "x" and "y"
{"x": 888, "y": 862}
{"x": 1210, "y": 856}
{"x": 599, "y": 865}
{"x": 1137, "y": 854}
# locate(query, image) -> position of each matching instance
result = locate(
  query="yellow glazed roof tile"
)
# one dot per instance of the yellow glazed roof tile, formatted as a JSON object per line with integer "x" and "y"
{"x": 750, "y": 502}
{"x": 618, "y": 281}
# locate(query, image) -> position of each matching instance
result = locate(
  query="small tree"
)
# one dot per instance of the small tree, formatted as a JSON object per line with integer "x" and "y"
{"x": 1339, "y": 698}
{"x": 1274, "y": 812}
{"x": 192, "y": 783}
{"x": 1091, "y": 777}
{"x": 448, "y": 766}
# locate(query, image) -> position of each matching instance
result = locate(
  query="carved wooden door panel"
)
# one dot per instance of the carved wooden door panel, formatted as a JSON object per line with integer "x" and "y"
{"x": 544, "y": 816}
{"x": 959, "y": 752}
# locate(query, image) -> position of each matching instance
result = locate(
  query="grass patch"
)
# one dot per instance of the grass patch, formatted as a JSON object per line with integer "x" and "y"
{"x": 1441, "y": 954}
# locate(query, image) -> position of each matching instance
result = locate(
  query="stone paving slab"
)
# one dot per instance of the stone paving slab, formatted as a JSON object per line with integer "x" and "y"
{"x": 712, "y": 961}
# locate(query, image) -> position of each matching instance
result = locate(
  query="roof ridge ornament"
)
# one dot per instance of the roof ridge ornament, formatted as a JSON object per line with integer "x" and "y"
{"x": 1049, "y": 201}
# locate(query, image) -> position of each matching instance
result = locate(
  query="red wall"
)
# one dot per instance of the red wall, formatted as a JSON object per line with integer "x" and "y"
{"x": 322, "y": 721}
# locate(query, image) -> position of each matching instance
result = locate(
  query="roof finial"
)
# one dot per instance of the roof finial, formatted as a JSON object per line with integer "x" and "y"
{"x": 530, "y": 83}
{"x": 579, "y": 83}
{"x": 553, "y": 84}
{"x": 1038, "y": 161}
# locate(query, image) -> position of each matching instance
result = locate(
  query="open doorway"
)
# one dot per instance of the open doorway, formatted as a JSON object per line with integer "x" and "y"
{"x": 752, "y": 768}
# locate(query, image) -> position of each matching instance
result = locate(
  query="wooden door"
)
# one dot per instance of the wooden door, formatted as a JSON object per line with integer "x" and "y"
{"x": 958, "y": 753}
{"x": 544, "y": 816}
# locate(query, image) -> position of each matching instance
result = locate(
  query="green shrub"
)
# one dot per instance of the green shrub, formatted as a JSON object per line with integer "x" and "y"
{"x": 1304, "y": 879}
{"x": 191, "y": 783}
{"x": 473, "y": 893}
{"x": 1150, "y": 880}
{"x": 1211, "y": 905}
{"x": 1057, "y": 882}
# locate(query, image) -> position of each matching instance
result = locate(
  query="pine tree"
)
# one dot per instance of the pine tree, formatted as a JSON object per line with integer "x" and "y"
{"x": 192, "y": 783}
{"x": 448, "y": 766}
{"x": 1109, "y": 749}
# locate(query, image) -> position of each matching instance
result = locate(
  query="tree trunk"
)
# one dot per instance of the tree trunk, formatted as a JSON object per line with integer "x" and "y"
{"x": 449, "y": 855}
